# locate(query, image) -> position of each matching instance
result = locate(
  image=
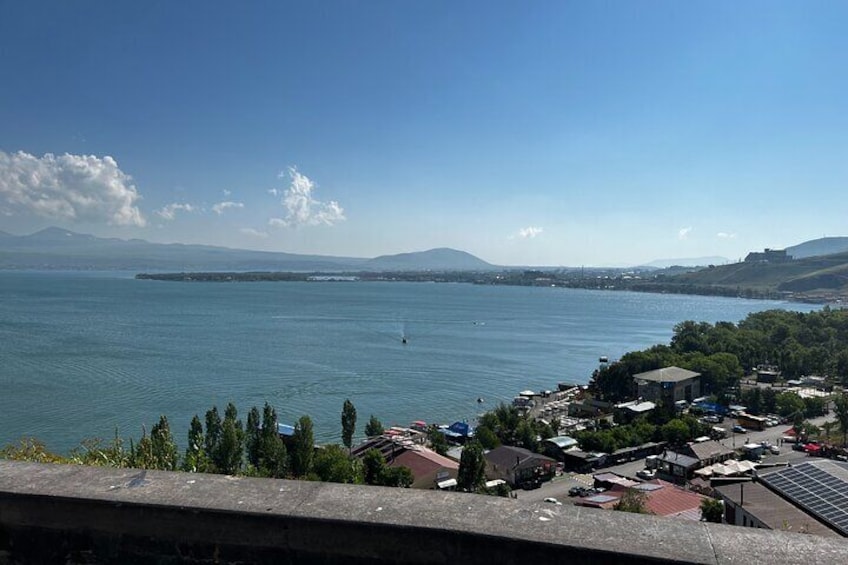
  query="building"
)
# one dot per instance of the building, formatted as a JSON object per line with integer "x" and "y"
{"x": 429, "y": 469}
{"x": 520, "y": 467}
{"x": 556, "y": 446}
{"x": 768, "y": 256}
{"x": 661, "y": 499}
{"x": 668, "y": 385}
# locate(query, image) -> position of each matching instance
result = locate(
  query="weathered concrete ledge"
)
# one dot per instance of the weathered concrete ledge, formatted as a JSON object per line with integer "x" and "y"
{"x": 74, "y": 514}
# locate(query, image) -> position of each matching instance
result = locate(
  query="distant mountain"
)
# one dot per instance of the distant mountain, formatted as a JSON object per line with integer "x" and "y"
{"x": 817, "y": 247}
{"x": 691, "y": 262}
{"x": 442, "y": 259}
{"x": 56, "y": 248}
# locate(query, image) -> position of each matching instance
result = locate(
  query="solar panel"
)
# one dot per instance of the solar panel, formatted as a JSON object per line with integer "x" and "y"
{"x": 819, "y": 487}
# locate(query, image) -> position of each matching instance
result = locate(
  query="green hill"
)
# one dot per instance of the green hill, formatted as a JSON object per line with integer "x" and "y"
{"x": 820, "y": 278}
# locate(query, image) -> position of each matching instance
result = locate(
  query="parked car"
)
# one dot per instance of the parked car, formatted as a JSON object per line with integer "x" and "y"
{"x": 646, "y": 474}
{"x": 737, "y": 429}
{"x": 578, "y": 491}
{"x": 552, "y": 500}
{"x": 774, "y": 449}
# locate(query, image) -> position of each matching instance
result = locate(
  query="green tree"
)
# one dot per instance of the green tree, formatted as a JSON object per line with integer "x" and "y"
{"x": 253, "y": 437}
{"x": 397, "y": 476}
{"x": 840, "y": 410}
{"x": 472, "y": 468}
{"x": 163, "y": 446}
{"x": 230, "y": 453}
{"x": 302, "y": 447}
{"x": 634, "y": 501}
{"x": 195, "y": 460}
{"x": 438, "y": 442}
{"x": 348, "y": 423}
{"x": 712, "y": 510}
{"x": 273, "y": 458}
{"x": 213, "y": 436}
{"x": 788, "y": 404}
{"x": 333, "y": 465}
{"x": 374, "y": 427}
{"x": 676, "y": 432}
{"x": 487, "y": 438}
{"x": 373, "y": 464}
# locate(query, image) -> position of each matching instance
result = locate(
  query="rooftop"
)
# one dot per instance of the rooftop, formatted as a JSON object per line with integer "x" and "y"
{"x": 666, "y": 375}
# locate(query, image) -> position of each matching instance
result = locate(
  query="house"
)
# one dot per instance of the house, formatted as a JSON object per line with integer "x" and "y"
{"x": 429, "y": 469}
{"x": 556, "y": 446}
{"x": 520, "y": 467}
{"x": 677, "y": 467}
{"x": 661, "y": 499}
{"x": 626, "y": 412}
{"x": 708, "y": 452}
{"x": 753, "y": 505}
{"x": 668, "y": 385}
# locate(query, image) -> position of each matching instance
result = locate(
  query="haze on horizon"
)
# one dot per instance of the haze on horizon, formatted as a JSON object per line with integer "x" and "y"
{"x": 550, "y": 133}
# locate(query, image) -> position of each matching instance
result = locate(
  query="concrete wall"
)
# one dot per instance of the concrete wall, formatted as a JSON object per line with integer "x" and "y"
{"x": 73, "y": 514}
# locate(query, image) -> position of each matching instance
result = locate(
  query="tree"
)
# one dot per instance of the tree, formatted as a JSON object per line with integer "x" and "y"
{"x": 348, "y": 423}
{"x": 374, "y": 427}
{"x": 633, "y": 501}
{"x": 487, "y": 438}
{"x": 398, "y": 476}
{"x": 195, "y": 460}
{"x": 252, "y": 437}
{"x": 163, "y": 446}
{"x": 302, "y": 447}
{"x": 840, "y": 410}
{"x": 332, "y": 465}
{"x": 438, "y": 442}
{"x": 472, "y": 468}
{"x": 373, "y": 465}
{"x": 273, "y": 458}
{"x": 712, "y": 510}
{"x": 675, "y": 432}
{"x": 229, "y": 455}
{"x": 213, "y": 435}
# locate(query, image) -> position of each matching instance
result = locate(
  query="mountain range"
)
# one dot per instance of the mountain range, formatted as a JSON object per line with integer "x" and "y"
{"x": 56, "y": 248}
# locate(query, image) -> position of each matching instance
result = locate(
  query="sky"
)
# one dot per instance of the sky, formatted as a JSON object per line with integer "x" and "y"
{"x": 527, "y": 133}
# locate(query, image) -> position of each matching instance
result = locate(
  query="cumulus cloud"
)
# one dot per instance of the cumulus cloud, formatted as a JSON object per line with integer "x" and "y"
{"x": 254, "y": 233}
{"x": 78, "y": 188}
{"x": 529, "y": 232}
{"x": 227, "y": 192}
{"x": 169, "y": 212}
{"x": 725, "y": 235}
{"x": 221, "y": 206}
{"x": 302, "y": 208}
{"x": 683, "y": 233}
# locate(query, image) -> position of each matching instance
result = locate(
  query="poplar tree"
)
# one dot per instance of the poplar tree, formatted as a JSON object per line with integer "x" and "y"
{"x": 374, "y": 427}
{"x": 272, "y": 450}
{"x": 195, "y": 460}
{"x": 252, "y": 437}
{"x": 348, "y": 423}
{"x": 303, "y": 447}
{"x": 472, "y": 467}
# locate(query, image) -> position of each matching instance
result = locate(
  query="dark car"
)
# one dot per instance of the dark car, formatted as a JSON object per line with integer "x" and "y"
{"x": 578, "y": 491}
{"x": 737, "y": 429}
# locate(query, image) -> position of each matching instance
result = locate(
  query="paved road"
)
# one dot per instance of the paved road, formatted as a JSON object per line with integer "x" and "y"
{"x": 558, "y": 488}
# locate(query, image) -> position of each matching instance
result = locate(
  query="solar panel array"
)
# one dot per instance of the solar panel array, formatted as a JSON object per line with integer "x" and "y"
{"x": 820, "y": 488}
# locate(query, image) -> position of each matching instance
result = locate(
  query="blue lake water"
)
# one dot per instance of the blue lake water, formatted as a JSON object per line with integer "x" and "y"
{"x": 82, "y": 354}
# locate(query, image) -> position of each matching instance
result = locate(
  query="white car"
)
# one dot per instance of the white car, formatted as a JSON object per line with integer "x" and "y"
{"x": 553, "y": 501}
{"x": 646, "y": 474}
{"x": 774, "y": 449}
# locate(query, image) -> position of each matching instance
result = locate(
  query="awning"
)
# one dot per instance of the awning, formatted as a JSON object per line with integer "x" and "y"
{"x": 447, "y": 483}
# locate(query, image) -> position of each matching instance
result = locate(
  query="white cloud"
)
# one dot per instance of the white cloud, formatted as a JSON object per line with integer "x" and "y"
{"x": 254, "y": 233}
{"x": 221, "y": 206}
{"x": 274, "y": 192}
{"x": 79, "y": 188}
{"x": 684, "y": 233}
{"x": 302, "y": 209}
{"x": 169, "y": 212}
{"x": 227, "y": 192}
{"x": 725, "y": 235}
{"x": 529, "y": 232}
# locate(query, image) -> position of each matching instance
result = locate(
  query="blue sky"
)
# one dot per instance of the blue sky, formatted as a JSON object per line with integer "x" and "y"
{"x": 544, "y": 133}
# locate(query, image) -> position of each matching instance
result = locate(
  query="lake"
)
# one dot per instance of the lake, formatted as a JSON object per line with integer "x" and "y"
{"x": 82, "y": 354}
